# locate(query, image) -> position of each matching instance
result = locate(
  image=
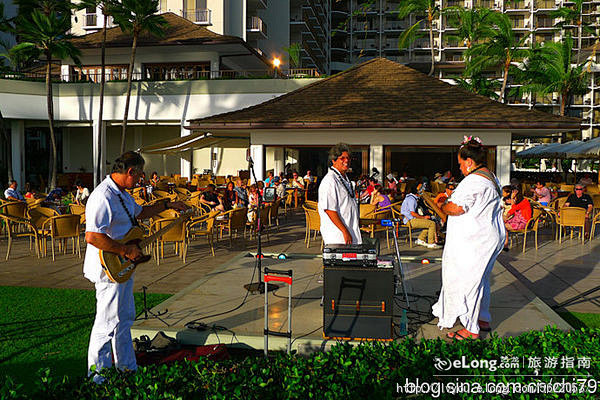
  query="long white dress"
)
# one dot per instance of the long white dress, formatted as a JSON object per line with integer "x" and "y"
{"x": 473, "y": 241}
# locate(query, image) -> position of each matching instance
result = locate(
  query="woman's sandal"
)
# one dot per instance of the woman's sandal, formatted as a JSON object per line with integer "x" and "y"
{"x": 462, "y": 335}
{"x": 484, "y": 326}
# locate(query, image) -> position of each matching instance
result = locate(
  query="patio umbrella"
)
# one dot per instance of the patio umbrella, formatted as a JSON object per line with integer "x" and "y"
{"x": 539, "y": 151}
{"x": 587, "y": 150}
{"x": 563, "y": 150}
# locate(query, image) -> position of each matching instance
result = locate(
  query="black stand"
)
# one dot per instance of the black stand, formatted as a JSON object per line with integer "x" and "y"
{"x": 258, "y": 286}
{"x": 147, "y": 311}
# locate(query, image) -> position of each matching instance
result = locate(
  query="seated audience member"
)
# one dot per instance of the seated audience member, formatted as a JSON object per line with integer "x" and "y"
{"x": 230, "y": 198}
{"x": 283, "y": 179}
{"x": 437, "y": 178}
{"x": 297, "y": 181}
{"x": 447, "y": 177}
{"x": 30, "y": 193}
{"x": 424, "y": 186}
{"x": 55, "y": 195}
{"x": 82, "y": 193}
{"x": 404, "y": 177}
{"x": 417, "y": 221}
{"x": 12, "y": 194}
{"x": 392, "y": 185}
{"x": 443, "y": 196}
{"x": 379, "y": 198}
{"x": 506, "y": 200}
{"x": 581, "y": 200}
{"x": 279, "y": 187}
{"x": 519, "y": 213}
{"x": 154, "y": 179}
{"x": 309, "y": 177}
{"x": 242, "y": 191}
{"x": 269, "y": 180}
{"x": 586, "y": 180}
{"x": 210, "y": 198}
{"x": 542, "y": 194}
{"x": 253, "y": 198}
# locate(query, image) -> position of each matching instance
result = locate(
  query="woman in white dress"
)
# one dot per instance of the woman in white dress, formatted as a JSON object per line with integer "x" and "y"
{"x": 474, "y": 238}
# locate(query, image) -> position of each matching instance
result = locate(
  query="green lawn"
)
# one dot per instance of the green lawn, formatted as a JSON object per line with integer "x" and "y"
{"x": 581, "y": 320}
{"x": 42, "y": 327}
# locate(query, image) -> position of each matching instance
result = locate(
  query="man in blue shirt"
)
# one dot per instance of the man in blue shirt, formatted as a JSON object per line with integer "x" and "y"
{"x": 417, "y": 221}
{"x": 12, "y": 194}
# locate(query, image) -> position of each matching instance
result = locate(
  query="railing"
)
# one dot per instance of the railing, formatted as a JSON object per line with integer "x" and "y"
{"x": 200, "y": 16}
{"x": 179, "y": 75}
{"x": 255, "y": 24}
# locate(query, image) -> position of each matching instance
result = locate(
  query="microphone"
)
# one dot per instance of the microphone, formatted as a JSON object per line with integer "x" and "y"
{"x": 390, "y": 222}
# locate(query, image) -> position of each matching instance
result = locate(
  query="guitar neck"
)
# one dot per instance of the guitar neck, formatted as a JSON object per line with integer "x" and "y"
{"x": 162, "y": 230}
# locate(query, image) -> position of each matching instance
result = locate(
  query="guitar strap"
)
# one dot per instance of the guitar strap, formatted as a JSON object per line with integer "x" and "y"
{"x": 486, "y": 173}
{"x": 133, "y": 220}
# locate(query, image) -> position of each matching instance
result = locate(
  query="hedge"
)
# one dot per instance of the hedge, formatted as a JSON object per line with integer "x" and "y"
{"x": 367, "y": 371}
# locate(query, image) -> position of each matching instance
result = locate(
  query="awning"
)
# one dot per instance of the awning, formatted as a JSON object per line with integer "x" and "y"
{"x": 587, "y": 150}
{"x": 537, "y": 151}
{"x": 198, "y": 141}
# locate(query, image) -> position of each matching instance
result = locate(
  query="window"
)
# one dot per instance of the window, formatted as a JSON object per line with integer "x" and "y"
{"x": 173, "y": 71}
{"x": 91, "y": 18}
{"x": 94, "y": 73}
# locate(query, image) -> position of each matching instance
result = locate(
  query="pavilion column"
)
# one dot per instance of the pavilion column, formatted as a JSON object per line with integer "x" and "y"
{"x": 503, "y": 164}
{"x": 376, "y": 160}
{"x": 99, "y": 131}
{"x": 279, "y": 165}
{"x": 17, "y": 132}
{"x": 257, "y": 152}
{"x": 186, "y": 158}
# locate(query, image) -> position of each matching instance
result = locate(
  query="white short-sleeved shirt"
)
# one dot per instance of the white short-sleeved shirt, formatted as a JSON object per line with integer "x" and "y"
{"x": 105, "y": 214}
{"x": 334, "y": 195}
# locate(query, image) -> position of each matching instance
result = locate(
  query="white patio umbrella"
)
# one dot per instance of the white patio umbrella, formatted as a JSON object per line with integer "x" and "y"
{"x": 564, "y": 150}
{"x": 587, "y": 150}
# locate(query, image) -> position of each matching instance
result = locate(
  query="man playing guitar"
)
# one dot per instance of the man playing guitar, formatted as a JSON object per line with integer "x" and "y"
{"x": 110, "y": 213}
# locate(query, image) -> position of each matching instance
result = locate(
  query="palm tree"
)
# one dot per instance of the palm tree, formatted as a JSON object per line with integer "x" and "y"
{"x": 572, "y": 16}
{"x": 479, "y": 84}
{"x": 136, "y": 17}
{"x": 471, "y": 24}
{"x": 47, "y": 35}
{"x": 104, "y": 6}
{"x": 550, "y": 69}
{"x": 499, "y": 50}
{"x": 431, "y": 11}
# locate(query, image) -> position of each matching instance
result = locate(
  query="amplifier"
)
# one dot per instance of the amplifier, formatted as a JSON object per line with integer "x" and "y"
{"x": 361, "y": 255}
{"x": 358, "y": 303}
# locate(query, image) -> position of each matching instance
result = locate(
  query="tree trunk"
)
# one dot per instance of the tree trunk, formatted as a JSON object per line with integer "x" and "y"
{"x": 129, "y": 76}
{"x": 53, "y": 166}
{"x": 7, "y": 141}
{"x": 430, "y": 21}
{"x": 563, "y": 103}
{"x": 100, "y": 160}
{"x": 504, "y": 80}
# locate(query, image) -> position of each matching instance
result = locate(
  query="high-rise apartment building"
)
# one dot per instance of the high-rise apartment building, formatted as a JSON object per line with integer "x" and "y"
{"x": 270, "y": 26}
{"x": 362, "y": 30}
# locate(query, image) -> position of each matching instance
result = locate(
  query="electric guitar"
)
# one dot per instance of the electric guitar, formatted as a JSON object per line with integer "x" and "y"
{"x": 119, "y": 269}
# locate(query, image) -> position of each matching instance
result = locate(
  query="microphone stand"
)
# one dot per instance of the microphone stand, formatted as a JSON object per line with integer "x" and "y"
{"x": 260, "y": 285}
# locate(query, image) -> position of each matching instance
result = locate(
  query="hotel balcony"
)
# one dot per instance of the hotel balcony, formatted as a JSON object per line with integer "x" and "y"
{"x": 198, "y": 16}
{"x": 257, "y": 26}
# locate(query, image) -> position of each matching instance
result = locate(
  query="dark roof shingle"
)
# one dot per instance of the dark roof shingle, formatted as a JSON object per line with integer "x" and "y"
{"x": 382, "y": 93}
{"x": 178, "y": 31}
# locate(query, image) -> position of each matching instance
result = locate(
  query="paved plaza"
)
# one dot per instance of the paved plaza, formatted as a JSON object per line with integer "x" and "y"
{"x": 525, "y": 286}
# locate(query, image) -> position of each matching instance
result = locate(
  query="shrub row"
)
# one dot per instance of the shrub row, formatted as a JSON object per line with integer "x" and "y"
{"x": 368, "y": 371}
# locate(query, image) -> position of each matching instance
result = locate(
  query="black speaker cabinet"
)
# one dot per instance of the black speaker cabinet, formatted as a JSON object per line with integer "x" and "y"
{"x": 358, "y": 302}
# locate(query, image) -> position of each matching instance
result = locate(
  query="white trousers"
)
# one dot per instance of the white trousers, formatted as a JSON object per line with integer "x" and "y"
{"x": 111, "y": 333}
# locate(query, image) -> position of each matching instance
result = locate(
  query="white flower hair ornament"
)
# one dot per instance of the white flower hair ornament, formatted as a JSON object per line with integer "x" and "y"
{"x": 467, "y": 139}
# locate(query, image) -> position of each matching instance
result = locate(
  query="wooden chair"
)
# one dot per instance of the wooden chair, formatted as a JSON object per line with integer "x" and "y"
{"x": 367, "y": 210}
{"x": 313, "y": 223}
{"x": 182, "y": 193}
{"x": 397, "y": 213}
{"x": 371, "y": 229}
{"x": 203, "y": 226}
{"x": 63, "y": 227}
{"x": 275, "y": 212}
{"x": 312, "y": 204}
{"x": 176, "y": 235}
{"x": 566, "y": 188}
{"x": 30, "y": 230}
{"x": 38, "y": 217}
{"x": 596, "y": 199}
{"x": 573, "y": 217}
{"x": 78, "y": 209}
{"x": 595, "y": 222}
{"x": 531, "y": 226}
{"x": 235, "y": 221}
{"x": 592, "y": 189}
